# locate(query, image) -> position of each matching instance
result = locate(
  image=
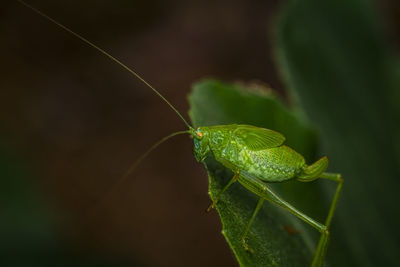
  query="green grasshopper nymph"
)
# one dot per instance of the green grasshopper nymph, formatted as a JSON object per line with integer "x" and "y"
{"x": 256, "y": 156}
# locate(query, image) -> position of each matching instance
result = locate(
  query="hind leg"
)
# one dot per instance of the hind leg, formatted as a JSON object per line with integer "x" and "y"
{"x": 265, "y": 192}
{"x": 323, "y": 243}
{"x": 309, "y": 174}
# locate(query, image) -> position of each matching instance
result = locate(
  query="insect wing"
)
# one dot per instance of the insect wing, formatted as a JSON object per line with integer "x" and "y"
{"x": 256, "y": 138}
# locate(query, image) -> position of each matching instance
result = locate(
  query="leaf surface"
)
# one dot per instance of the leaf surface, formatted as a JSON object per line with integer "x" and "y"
{"x": 277, "y": 238}
{"x": 339, "y": 67}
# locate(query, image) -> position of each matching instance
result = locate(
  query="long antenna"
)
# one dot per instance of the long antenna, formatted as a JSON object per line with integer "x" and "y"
{"x": 145, "y": 154}
{"x": 122, "y": 179}
{"x": 107, "y": 55}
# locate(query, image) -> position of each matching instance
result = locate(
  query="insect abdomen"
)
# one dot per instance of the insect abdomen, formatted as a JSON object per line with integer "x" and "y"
{"x": 272, "y": 165}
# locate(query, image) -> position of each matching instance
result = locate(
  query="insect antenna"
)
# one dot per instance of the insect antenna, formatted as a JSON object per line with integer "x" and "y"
{"x": 130, "y": 170}
{"x": 135, "y": 74}
{"x": 124, "y": 66}
{"x": 145, "y": 154}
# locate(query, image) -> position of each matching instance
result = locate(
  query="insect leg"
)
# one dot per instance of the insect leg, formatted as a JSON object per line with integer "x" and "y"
{"x": 337, "y": 177}
{"x": 323, "y": 244}
{"x": 214, "y": 203}
{"x": 243, "y": 238}
{"x": 259, "y": 188}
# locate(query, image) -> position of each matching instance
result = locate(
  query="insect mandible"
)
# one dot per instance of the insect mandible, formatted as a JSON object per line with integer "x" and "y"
{"x": 256, "y": 156}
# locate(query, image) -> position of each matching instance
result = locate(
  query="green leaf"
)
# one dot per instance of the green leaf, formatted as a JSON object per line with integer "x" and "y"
{"x": 274, "y": 244}
{"x": 340, "y": 69}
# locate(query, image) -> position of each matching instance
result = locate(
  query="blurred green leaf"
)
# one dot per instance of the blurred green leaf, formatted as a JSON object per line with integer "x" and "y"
{"x": 334, "y": 58}
{"x": 216, "y": 103}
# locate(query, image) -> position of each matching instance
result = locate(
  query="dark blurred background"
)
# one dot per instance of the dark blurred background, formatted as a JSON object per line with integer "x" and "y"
{"x": 72, "y": 122}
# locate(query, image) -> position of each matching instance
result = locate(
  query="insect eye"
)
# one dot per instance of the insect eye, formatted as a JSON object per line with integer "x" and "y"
{"x": 199, "y": 135}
